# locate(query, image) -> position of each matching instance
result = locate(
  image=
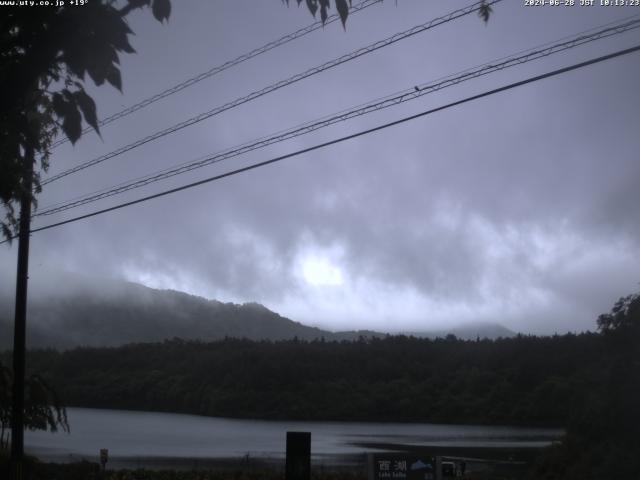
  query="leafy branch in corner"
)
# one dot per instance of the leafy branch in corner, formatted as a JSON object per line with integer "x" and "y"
{"x": 342, "y": 7}
{"x": 324, "y": 5}
{"x": 46, "y": 56}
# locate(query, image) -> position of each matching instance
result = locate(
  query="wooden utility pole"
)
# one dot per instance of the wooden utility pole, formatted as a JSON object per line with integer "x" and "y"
{"x": 20, "y": 323}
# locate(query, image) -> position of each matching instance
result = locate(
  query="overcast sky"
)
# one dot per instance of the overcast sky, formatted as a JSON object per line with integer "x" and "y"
{"x": 520, "y": 208}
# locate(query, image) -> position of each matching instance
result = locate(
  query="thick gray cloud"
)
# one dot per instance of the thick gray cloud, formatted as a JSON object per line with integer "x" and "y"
{"x": 520, "y": 208}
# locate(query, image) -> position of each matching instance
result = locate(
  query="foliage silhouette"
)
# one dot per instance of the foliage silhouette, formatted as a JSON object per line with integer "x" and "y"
{"x": 522, "y": 380}
{"x": 45, "y": 56}
{"x": 624, "y": 316}
{"x": 342, "y": 8}
{"x": 603, "y": 437}
{"x": 43, "y": 408}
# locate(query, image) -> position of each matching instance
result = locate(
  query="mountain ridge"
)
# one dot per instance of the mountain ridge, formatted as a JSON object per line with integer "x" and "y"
{"x": 112, "y": 313}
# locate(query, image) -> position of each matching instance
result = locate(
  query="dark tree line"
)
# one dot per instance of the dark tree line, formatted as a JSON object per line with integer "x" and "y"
{"x": 523, "y": 380}
{"x": 603, "y": 434}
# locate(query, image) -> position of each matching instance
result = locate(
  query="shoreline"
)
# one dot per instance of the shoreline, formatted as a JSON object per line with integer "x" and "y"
{"x": 330, "y": 462}
{"x": 478, "y": 458}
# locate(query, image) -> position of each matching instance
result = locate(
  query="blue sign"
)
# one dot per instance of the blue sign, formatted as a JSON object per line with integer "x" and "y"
{"x": 389, "y": 466}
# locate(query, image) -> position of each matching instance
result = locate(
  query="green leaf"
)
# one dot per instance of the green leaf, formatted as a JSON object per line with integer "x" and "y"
{"x": 121, "y": 43}
{"x": 484, "y": 12}
{"x": 64, "y": 106}
{"x": 71, "y": 121}
{"x": 138, "y": 3}
{"x": 6, "y": 232}
{"x": 73, "y": 57}
{"x": 324, "y": 9}
{"x": 97, "y": 73}
{"x": 312, "y": 6}
{"x": 343, "y": 10}
{"x": 161, "y": 9}
{"x": 88, "y": 109}
{"x": 114, "y": 78}
{"x": 58, "y": 104}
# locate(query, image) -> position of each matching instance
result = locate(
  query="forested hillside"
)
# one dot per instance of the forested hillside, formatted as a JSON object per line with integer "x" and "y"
{"x": 524, "y": 380}
{"x": 127, "y": 312}
{"x": 101, "y": 313}
{"x": 587, "y": 383}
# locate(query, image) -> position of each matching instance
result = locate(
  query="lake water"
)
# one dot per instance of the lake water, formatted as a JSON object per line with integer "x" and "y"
{"x": 139, "y": 437}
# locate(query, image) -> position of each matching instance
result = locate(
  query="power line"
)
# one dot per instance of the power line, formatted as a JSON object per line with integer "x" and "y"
{"x": 220, "y": 68}
{"x": 405, "y": 96}
{"x": 594, "y": 33}
{"x": 276, "y": 86}
{"x": 341, "y": 139}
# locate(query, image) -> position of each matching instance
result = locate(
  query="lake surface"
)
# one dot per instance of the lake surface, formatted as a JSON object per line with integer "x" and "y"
{"x": 139, "y": 437}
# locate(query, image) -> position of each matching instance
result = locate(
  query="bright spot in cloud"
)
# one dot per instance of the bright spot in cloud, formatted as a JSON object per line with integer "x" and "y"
{"x": 318, "y": 271}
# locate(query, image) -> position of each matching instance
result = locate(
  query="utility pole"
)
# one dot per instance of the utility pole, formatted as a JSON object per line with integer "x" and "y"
{"x": 20, "y": 323}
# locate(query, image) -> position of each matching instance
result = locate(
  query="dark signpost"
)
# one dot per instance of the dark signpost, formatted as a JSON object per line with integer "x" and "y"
{"x": 298, "y": 462}
{"x": 104, "y": 457}
{"x": 392, "y": 466}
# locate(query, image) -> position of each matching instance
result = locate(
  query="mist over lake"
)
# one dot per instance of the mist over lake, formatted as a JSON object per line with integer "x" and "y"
{"x": 136, "y": 438}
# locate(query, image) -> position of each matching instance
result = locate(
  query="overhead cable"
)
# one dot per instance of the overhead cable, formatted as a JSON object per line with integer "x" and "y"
{"x": 226, "y": 65}
{"x": 384, "y": 126}
{"x": 276, "y": 86}
{"x": 402, "y": 97}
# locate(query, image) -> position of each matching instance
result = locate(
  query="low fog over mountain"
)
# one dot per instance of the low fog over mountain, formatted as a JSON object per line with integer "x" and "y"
{"x": 72, "y": 310}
